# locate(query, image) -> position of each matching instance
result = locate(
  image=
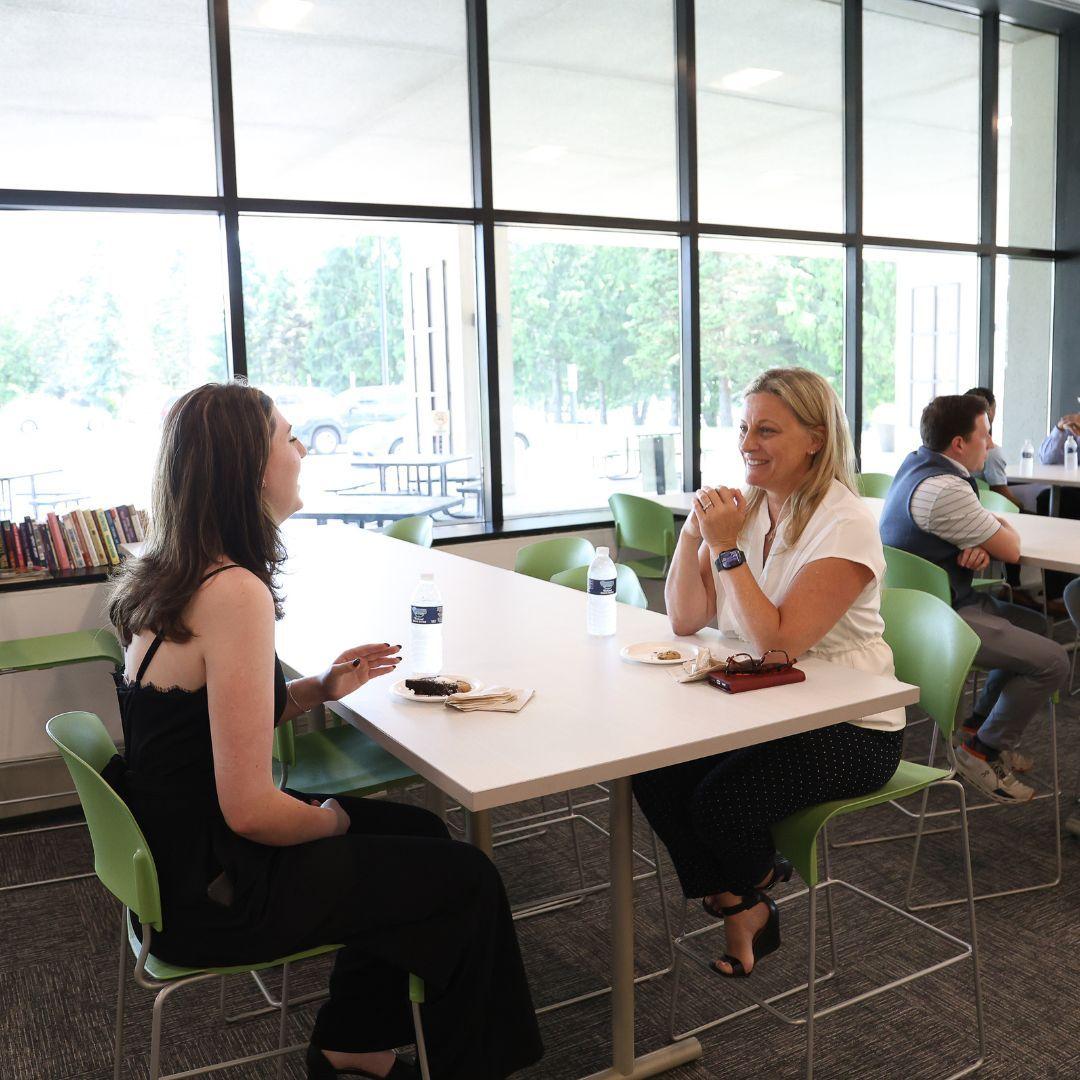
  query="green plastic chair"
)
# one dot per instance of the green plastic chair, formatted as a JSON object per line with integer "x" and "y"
{"x": 997, "y": 504}
{"x": 124, "y": 864}
{"x": 628, "y": 589}
{"x": 874, "y": 485}
{"x": 903, "y": 570}
{"x": 644, "y": 525}
{"x": 336, "y": 761}
{"x": 546, "y": 558}
{"x": 413, "y": 530}
{"x": 981, "y": 484}
{"x": 932, "y": 648}
{"x": 40, "y": 654}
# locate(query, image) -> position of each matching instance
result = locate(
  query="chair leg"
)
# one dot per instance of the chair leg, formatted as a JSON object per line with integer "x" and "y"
{"x": 811, "y": 981}
{"x": 970, "y": 897}
{"x": 833, "y": 951}
{"x": 421, "y": 1045}
{"x": 283, "y": 1023}
{"x": 121, "y": 998}
{"x": 574, "y": 840}
{"x": 676, "y": 975}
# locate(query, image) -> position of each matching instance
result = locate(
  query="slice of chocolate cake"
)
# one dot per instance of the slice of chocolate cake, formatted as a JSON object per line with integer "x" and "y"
{"x": 433, "y": 687}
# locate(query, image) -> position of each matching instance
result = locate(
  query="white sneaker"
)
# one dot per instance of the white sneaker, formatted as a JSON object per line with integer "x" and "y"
{"x": 993, "y": 778}
{"x": 1017, "y": 761}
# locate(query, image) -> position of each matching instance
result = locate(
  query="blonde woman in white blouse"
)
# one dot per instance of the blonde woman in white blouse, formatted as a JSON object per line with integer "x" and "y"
{"x": 793, "y": 563}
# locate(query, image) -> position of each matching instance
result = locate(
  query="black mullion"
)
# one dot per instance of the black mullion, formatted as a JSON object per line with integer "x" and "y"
{"x": 689, "y": 259}
{"x": 453, "y": 215}
{"x": 853, "y": 220}
{"x": 225, "y": 155}
{"x": 988, "y": 191}
{"x": 31, "y": 199}
{"x": 487, "y": 326}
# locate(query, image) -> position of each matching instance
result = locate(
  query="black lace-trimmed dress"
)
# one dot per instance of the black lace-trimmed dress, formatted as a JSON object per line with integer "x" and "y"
{"x": 395, "y": 890}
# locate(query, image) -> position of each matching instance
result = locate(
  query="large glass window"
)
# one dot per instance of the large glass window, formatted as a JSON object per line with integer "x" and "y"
{"x": 106, "y": 95}
{"x": 762, "y": 305}
{"x": 364, "y": 333}
{"x": 920, "y": 121}
{"x": 920, "y": 328}
{"x": 1027, "y": 120}
{"x": 351, "y": 102}
{"x": 583, "y": 107}
{"x": 589, "y": 367}
{"x": 104, "y": 320}
{"x": 770, "y": 113}
{"x": 1022, "y": 357}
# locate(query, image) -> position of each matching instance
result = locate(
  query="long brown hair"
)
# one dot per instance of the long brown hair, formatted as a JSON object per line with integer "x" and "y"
{"x": 207, "y": 504}
{"x": 816, "y": 406}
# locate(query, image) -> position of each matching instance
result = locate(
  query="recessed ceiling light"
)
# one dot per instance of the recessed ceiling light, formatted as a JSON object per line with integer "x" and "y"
{"x": 284, "y": 14}
{"x": 540, "y": 155}
{"x": 746, "y": 79}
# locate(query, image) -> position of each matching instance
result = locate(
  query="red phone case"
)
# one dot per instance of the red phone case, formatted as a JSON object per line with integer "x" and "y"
{"x": 752, "y": 680}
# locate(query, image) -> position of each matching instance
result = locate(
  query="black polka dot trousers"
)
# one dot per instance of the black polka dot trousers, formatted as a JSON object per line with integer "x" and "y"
{"x": 714, "y": 815}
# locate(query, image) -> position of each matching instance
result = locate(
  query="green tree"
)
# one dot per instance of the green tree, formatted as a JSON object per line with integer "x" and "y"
{"x": 352, "y": 307}
{"x": 276, "y": 328}
{"x": 19, "y": 372}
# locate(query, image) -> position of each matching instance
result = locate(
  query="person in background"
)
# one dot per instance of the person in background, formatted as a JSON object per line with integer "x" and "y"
{"x": 933, "y": 511}
{"x": 1052, "y": 451}
{"x": 994, "y": 470}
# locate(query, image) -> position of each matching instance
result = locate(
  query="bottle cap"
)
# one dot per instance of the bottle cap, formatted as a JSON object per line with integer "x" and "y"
{"x": 427, "y": 577}
{"x": 602, "y": 552}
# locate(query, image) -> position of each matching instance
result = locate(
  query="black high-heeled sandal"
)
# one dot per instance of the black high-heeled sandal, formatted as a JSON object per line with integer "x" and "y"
{"x": 766, "y": 940}
{"x": 319, "y": 1068}
{"x": 782, "y": 870}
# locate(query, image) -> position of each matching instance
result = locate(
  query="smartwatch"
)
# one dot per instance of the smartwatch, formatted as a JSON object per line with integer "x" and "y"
{"x": 730, "y": 559}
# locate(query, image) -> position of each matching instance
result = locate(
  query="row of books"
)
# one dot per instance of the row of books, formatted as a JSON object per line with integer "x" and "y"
{"x": 75, "y": 540}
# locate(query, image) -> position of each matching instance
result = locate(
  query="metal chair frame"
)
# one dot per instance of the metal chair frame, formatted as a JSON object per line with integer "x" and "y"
{"x": 812, "y": 1014}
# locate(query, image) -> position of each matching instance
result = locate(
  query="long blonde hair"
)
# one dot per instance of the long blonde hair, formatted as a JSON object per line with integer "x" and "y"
{"x": 816, "y": 406}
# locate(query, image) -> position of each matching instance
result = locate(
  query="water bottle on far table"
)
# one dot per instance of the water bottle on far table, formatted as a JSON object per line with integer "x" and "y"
{"x": 1027, "y": 458}
{"x": 1070, "y": 454}
{"x": 601, "y": 603}
{"x": 425, "y": 645}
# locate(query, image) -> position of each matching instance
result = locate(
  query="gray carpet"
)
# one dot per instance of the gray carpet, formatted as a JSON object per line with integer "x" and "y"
{"x": 58, "y": 966}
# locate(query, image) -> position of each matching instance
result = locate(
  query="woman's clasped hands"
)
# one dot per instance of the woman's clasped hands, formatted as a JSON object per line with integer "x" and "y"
{"x": 718, "y": 516}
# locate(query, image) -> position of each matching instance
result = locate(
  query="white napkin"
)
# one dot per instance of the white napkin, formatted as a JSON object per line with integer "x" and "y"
{"x": 698, "y": 667}
{"x": 491, "y": 699}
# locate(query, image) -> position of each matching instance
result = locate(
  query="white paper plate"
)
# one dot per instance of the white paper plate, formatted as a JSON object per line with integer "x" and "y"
{"x": 645, "y": 652}
{"x": 399, "y": 689}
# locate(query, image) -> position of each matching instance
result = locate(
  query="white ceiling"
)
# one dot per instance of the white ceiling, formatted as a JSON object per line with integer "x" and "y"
{"x": 368, "y": 102}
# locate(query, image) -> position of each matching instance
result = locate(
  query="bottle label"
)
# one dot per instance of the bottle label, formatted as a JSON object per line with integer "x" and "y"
{"x": 426, "y": 616}
{"x": 601, "y": 586}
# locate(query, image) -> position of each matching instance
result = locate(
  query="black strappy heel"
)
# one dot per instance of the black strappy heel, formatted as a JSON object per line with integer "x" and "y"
{"x": 766, "y": 940}
{"x": 782, "y": 870}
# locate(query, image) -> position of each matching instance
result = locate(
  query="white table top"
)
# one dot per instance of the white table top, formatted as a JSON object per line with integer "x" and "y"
{"x": 594, "y": 717}
{"x": 1044, "y": 474}
{"x": 1049, "y": 543}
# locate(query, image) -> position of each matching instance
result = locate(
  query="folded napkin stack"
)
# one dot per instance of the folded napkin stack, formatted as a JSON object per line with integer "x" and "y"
{"x": 491, "y": 699}
{"x": 699, "y": 666}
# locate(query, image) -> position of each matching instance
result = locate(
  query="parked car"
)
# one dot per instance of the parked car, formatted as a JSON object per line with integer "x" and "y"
{"x": 44, "y": 416}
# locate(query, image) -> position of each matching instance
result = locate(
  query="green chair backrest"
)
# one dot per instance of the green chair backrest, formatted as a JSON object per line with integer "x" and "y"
{"x": 628, "y": 589}
{"x": 122, "y": 856}
{"x": 903, "y": 570}
{"x": 546, "y": 558}
{"x": 998, "y": 504}
{"x": 643, "y": 525}
{"x": 981, "y": 484}
{"x": 413, "y": 530}
{"x": 285, "y": 744}
{"x": 933, "y": 648}
{"x": 874, "y": 485}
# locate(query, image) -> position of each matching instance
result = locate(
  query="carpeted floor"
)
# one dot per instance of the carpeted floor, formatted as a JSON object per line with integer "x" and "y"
{"x": 58, "y": 962}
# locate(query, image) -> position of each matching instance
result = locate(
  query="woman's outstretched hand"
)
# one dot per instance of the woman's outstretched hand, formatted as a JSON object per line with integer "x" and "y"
{"x": 356, "y": 666}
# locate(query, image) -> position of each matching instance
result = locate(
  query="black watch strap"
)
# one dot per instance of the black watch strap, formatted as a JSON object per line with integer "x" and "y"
{"x": 730, "y": 559}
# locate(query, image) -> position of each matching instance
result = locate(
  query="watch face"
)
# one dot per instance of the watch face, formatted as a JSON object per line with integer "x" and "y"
{"x": 728, "y": 560}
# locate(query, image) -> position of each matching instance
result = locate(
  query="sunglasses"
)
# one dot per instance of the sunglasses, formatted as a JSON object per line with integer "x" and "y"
{"x": 745, "y": 664}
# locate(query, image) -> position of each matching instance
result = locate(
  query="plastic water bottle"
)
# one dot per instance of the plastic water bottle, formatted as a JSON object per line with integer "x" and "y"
{"x": 601, "y": 603}
{"x": 1027, "y": 458}
{"x": 1070, "y": 453}
{"x": 425, "y": 645}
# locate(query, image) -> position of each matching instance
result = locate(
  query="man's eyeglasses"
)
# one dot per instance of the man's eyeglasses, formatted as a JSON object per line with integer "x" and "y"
{"x": 745, "y": 664}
